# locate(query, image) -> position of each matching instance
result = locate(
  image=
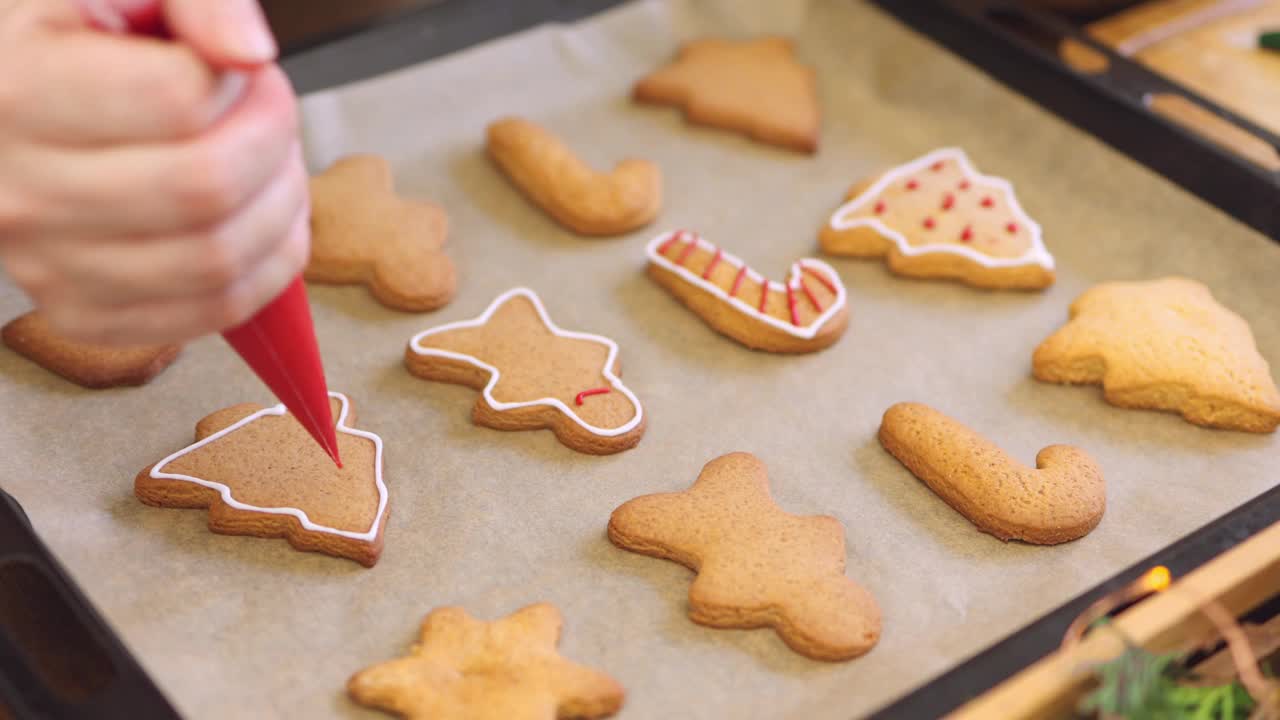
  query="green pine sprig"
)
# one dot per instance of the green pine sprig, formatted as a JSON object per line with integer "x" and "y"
{"x": 1139, "y": 685}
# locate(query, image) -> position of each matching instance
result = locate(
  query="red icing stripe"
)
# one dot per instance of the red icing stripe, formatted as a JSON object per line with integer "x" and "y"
{"x": 588, "y": 393}
{"x": 688, "y": 250}
{"x": 809, "y": 294}
{"x": 764, "y": 295}
{"x": 670, "y": 241}
{"x": 791, "y": 305}
{"x": 821, "y": 278}
{"x": 737, "y": 281}
{"x": 715, "y": 259}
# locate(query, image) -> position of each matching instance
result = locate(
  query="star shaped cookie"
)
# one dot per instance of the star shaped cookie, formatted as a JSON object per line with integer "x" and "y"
{"x": 362, "y": 232}
{"x": 756, "y": 565}
{"x": 756, "y": 87}
{"x": 532, "y": 374}
{"x": 1164, "y": 345}
{"x": 508, "y": 669}
{"x": 260, "y": 473}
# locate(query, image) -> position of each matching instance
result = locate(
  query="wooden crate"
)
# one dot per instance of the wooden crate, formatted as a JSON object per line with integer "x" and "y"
{"x": 1240, "y": 580}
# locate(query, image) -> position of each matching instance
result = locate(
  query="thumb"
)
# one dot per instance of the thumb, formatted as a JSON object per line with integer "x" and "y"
{"x": 227, "y": 34}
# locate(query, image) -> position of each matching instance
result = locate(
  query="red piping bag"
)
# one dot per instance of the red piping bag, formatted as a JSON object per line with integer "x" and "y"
{"x": 279, "y": 344}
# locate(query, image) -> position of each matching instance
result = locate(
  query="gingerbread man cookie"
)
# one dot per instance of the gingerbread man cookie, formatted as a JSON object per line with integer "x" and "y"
{"x": 362, "y": 233}
{"x": 1164, "y": 345}
{"x": 581, "y": 199}
{"x": 937, "y": 217}
{"x": 508, "y": 669}
{"x": 88, "y": 365}
{"x": 532, "y": 374}
{"x": 756, "y": 87}
{"x": 808, "y": 312}
{"x": 1062, "y": 498}
{"x": 260, "y": 473}
{"x": 756, "y": 565}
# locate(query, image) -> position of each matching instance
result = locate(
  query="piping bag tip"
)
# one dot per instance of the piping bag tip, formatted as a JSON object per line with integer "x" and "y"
{"x": 279, "y": 344}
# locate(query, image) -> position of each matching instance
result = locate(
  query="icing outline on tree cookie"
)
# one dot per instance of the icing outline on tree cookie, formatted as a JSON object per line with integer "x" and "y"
{"x": 301, "y": 515}
{"x": 1037, "y": 254}
{"x": 807, "y": 332}
{"x": 495, "y": 374}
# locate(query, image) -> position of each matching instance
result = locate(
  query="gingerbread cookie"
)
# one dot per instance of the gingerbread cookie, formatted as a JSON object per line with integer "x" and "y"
{"x": 581, "y": 199}
{"x": 509, "y": 669}
{"x": 937, "y": 217}
{"x": 533, "y": 375}
{"x": 1164, "y": 345}
{"x": 89, "y": 365}
{"x": 260, "y": 473}
{"x": 363, "y": 233}
{"x": 808, "y": 312}
{"x": 1062, "y": 498}
{"x": 756, "y": 565}
{"x": 756, "y": 87}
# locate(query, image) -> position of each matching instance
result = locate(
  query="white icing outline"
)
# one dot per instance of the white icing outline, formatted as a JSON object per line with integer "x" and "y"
{"x": 614, "y": 381}
{"x": 225, "y": 492}
{"x": 1037, "y": 254}
{"x": 805, "y": 332}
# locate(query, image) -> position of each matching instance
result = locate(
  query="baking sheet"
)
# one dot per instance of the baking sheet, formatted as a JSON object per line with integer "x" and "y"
{"x": 246, "y": 628}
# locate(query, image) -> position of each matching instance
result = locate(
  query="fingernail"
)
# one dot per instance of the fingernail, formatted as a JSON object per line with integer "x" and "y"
{"x": 102, "y": 16}
{"x": 231, "y": 87}
{"x": 247, "y": 33}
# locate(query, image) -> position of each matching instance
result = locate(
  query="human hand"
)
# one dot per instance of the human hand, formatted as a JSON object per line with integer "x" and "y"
{"x": 150, "y": 191}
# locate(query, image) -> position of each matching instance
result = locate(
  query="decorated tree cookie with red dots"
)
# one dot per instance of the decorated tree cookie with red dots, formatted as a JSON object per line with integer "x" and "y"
{"x": 938, "y": 217}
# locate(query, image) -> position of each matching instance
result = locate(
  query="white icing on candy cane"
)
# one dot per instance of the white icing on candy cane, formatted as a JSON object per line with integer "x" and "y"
{"x": 806, "y": 332}
{"x": 494, "y": 374}
{"x": 225, "y": 492}
{"x": 842, "y": 218}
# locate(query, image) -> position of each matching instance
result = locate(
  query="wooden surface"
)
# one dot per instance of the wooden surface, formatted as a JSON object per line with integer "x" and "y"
{"x": 1240, "y": 579}
{"x": 1217, "y": 59}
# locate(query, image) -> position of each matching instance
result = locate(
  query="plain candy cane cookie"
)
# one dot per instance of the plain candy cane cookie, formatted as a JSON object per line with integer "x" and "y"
{"x": 1062, "y": 498}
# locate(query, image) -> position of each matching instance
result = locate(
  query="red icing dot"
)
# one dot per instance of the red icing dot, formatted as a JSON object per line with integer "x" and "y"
{"x": 912, "y": 184}
{"x": 880, "y": 207}
{"x": 1012, "y": 228}
{"x": 937, "y": 167}
{"x": 928, "y": 223}
{"x": 948, "y": 201}
{"x": 967, "y": 235}
{"x": 964, "y": 184}
{"x": 987, "y": 202}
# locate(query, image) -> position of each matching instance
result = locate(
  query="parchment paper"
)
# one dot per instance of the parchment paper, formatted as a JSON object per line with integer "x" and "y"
{"x": 244, "y": 628}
